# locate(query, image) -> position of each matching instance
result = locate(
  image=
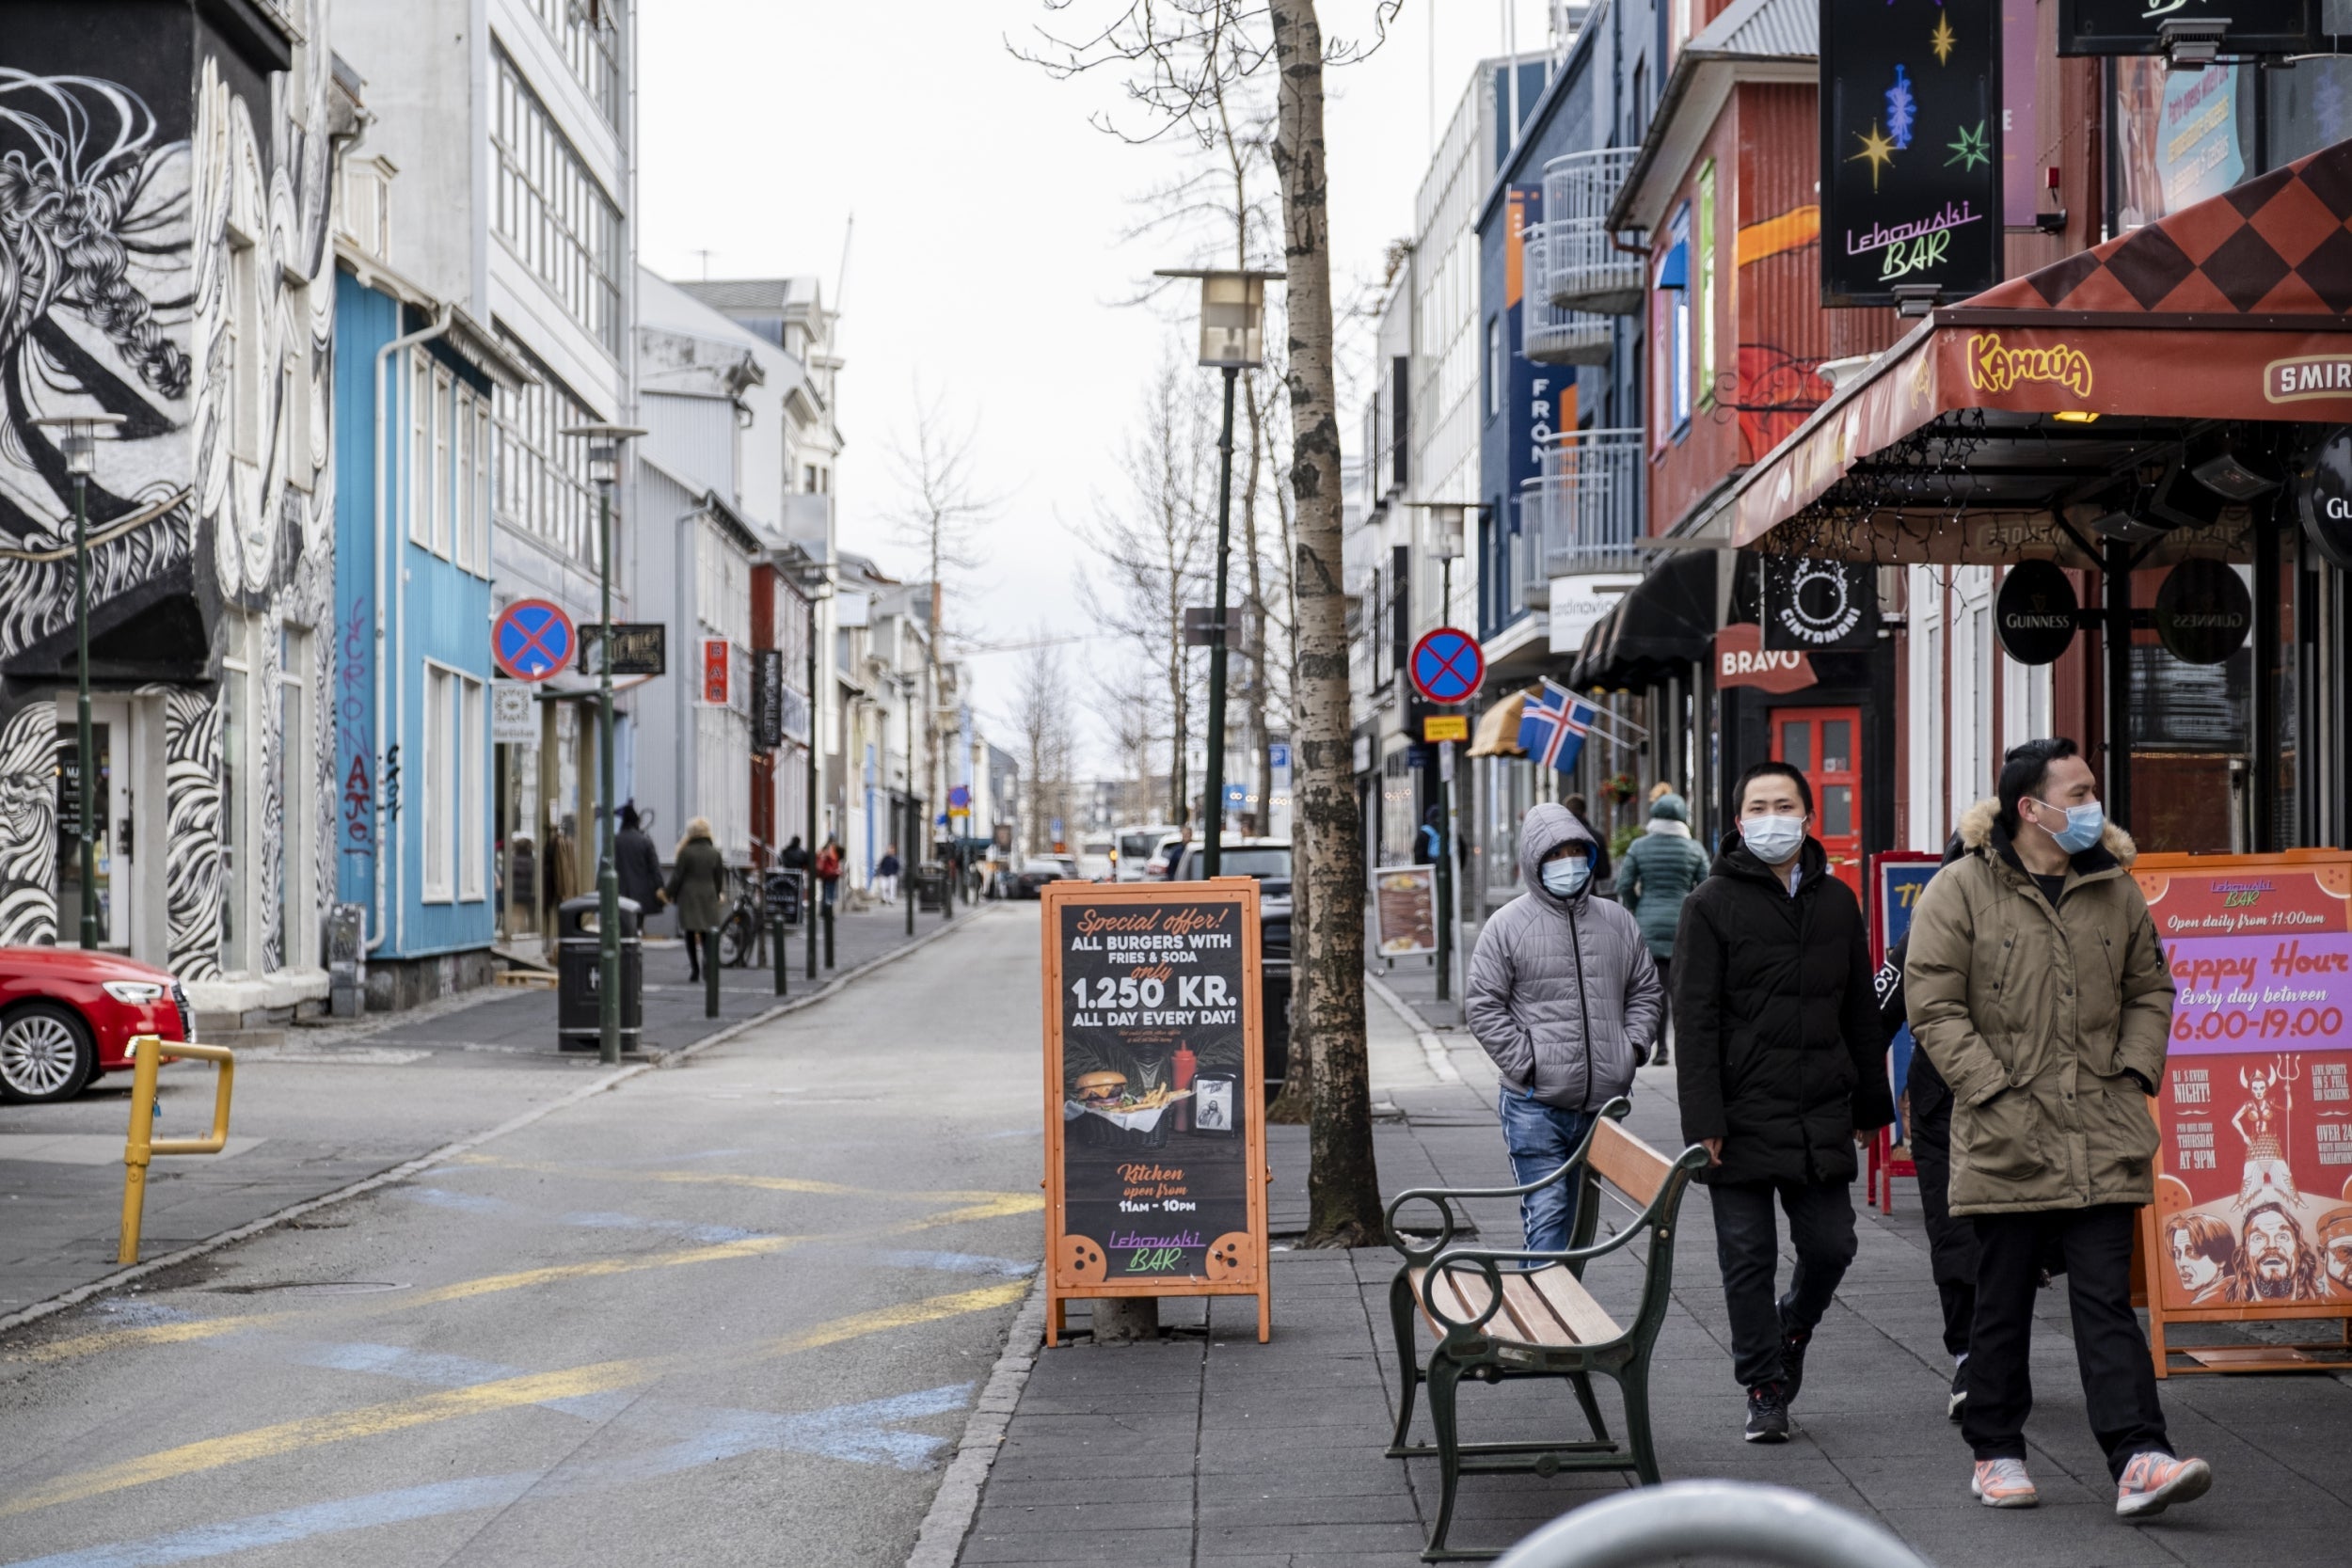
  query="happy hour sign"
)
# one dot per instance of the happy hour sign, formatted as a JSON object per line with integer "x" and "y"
{"x": 1911, "y": 148}
{"x": 1155, "y": 1154}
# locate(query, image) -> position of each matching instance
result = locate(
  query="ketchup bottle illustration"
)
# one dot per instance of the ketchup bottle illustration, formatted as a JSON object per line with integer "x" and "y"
{"x": 1185, "y": 1062}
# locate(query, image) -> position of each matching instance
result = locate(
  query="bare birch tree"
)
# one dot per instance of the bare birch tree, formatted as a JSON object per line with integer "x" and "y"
{"x": 1174, "y": 58}
{"x": 1048, "y": 743}
{"x": 939, "y": 512}
{"x": 1152, "y": 551}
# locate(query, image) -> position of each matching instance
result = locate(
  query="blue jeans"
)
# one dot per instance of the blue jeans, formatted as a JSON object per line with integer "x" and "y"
{"x": 1541, "y": 1138}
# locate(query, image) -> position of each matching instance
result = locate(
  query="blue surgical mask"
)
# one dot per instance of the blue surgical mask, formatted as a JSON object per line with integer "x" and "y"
{"x": 1565, "y": 877}
{"x": 2084, "y": 824}
{"x": 1772, "y": 839}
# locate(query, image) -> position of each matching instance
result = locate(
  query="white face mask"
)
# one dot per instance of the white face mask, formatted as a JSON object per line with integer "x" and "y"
{"x": 1565, "y": 877}
{"x": 1772, "y": 839}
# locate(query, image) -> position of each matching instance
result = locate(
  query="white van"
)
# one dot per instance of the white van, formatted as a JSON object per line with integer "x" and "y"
{"x": 1135, "y": 846}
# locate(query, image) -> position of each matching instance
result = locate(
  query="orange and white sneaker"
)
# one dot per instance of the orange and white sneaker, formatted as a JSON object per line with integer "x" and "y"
{"x": 2003, "y": 1483}
{"x": 2154, "y": 1481}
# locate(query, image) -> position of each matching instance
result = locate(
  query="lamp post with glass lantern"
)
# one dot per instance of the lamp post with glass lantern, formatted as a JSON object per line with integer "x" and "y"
{"x": 604, "y": 469}
{"x": 809, "y": 576}
{"x": 1233, "y": 338}
{"x": 79, "y": 447}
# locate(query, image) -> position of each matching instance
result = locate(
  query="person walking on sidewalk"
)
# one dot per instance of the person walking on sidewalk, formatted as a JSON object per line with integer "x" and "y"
{"x": 1782, "y": 1072}
{"x": 886, "y": 876}
{"x": 1655, "y": 874}
{"x": 1952, "y": 1241}
{"x": 828, "y": 869}
{"x": 698, "y": 886}
{"x": 1562, "y": 995}
{"x": 2036, "y": 983}
{"x": 638, "y": 864}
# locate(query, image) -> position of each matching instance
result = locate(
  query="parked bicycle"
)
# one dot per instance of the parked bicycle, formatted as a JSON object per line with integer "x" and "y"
{"x": 759, "y": 896}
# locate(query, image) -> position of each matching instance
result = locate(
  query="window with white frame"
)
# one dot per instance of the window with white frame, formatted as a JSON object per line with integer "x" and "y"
{"x": 2024, "y": 702}
{"x": 438, "y": 480}
{"x": 1670, "y": 329}
{"x": 542, "y": 474}
{"x": 1924, "y": 595}
{"x": 472, "y": 819}
{"x": 420, "y": 485}
{"x": 461, "y": 479}
{"x": 590, "y": 44}
{"x": 553, "y": 210}
{"x": 1970, "y": 709}
{"x": 478, "y": 485}
{"x": 436, "y": 769}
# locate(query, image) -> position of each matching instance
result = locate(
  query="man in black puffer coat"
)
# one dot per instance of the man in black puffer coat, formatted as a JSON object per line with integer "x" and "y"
{"x": 1782, "y": 1073}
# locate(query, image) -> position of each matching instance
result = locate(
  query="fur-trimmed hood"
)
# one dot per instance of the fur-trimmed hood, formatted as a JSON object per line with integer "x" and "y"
{"x": 1976, "y": 822}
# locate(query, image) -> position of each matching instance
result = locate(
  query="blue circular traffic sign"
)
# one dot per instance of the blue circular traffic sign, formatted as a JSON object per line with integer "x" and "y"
{"x": 1447, "y": 666}
{"x": 533, "y": 640}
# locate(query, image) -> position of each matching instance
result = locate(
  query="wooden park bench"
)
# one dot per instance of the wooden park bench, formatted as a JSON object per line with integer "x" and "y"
{"x": 1517, "y": 1314}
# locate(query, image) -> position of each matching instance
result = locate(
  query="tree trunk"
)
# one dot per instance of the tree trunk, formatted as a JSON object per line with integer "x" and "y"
{"x": 1344, "y": 1185}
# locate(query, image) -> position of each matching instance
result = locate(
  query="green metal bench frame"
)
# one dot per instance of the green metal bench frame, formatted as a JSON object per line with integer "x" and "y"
{"x": 1466, "y": 1350}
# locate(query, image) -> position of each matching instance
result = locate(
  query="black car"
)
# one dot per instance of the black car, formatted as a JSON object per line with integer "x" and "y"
{"x": 1038, "y": 871}
{"x": 1269, "y": 862}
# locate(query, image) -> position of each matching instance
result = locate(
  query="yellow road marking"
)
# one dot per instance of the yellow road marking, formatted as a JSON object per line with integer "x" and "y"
{"x": 991, "y": 1206}
{"x": 213, "y": 1454}
{"x": 728, "y": 1178}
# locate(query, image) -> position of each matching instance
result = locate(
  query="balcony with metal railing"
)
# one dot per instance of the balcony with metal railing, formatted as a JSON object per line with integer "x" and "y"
{"x": 1583, "y": 508}
{"x": 1583, "y": 269}
{"x": 1551, "y": 335}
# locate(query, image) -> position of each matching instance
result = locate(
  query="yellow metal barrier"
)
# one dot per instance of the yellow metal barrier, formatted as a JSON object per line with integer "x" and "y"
{"x": 148, "y": 1053}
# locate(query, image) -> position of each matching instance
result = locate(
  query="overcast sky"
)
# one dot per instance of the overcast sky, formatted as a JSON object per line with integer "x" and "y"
{"x": 987, "y": 258}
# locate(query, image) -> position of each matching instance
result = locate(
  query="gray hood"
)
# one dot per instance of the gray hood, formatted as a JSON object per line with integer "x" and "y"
{"x": 1544, "y": 828}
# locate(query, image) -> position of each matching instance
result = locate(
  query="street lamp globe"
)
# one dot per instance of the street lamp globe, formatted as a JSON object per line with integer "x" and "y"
{"x": 1445, "y": 531}
{"x": 77, "y": 439}
{"x": 604, "y": 448}
{"x": 1232, "y": 320}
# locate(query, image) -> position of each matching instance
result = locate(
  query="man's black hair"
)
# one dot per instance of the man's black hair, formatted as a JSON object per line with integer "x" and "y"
{"x": 628, "y": 817}
{"x": 2025, "y": 769}
{"x": 1771, "y": 771}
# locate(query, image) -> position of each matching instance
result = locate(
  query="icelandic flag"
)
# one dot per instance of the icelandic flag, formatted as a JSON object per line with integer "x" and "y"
{"x": 1552, "y": 726}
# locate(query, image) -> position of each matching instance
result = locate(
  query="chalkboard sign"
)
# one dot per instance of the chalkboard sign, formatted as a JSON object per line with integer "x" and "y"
{"x": 1155, "y": 1163}
{"x": 2254, "y": 1211}
{"x": 1911, "y": 149}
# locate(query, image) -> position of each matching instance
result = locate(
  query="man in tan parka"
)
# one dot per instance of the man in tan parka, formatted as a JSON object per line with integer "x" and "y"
{"x": 2037, "y": 985}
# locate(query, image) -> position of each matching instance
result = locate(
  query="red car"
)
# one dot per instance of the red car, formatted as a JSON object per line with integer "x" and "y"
{"x": 67, "y": 1015}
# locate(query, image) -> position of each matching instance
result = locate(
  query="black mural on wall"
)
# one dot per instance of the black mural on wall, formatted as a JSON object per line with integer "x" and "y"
{"x": 1911, "y": 148}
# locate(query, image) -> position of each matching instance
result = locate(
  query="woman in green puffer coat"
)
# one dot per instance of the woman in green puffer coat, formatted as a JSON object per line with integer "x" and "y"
{"x": 1658, "y": 870}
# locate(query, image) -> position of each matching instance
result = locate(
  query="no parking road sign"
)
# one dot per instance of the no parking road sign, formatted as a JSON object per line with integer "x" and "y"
{"x": 1447, "y": 666}
{"x": 533, "y": 640}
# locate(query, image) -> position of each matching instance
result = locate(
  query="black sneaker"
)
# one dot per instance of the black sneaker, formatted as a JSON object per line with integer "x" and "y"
{"x": 1768, "y": 1413}
{"x": 1792, "y": 1344}
{"x": 1958, "y": 1405}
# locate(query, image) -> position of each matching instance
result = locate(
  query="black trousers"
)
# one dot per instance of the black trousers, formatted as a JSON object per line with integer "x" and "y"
{"x": 1951, "y": 1242}
{"x": 2119, "y": 1379}
{"x": 701, "y": 947}
{"x": 1665, "y": 1003}
{"x": 1747, "y": 1243}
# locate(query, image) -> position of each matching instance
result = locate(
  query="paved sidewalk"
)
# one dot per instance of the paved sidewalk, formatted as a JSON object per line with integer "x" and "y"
{"x": 334, "y": 1106}
{"x": 1209, "y": 1447}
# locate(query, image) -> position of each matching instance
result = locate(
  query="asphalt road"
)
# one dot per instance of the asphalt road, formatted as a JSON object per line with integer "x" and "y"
{"x": 733, "y": 1311}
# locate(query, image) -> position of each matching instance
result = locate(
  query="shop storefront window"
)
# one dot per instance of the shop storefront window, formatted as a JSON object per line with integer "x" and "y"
{"x": 2311, "y": 107}
{"x": 2180, "y": 136}
{"x": 2190, "y": 725}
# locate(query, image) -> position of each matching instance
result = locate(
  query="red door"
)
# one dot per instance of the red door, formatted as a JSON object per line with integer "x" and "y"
{"x": 1821, "y": 743}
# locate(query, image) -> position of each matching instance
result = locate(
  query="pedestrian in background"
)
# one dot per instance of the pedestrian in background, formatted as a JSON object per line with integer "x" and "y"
{"x": 698, "y": 886}
{"x": 1562, "y": 995}
{"x": 1656, "y": 875}
{"x": 1783, "y": 1075}
{"x": 639, "y": 865}
{"x": 828, "y": 869}
{"x": 1583, "y": 812}
{"x": 2036, "y": 984}
{"x": 886, "y": 876}
{"x": 1928, "y": 1130}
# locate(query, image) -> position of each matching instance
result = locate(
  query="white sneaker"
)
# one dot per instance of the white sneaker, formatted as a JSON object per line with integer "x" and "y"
{"x": 2154, "y": 1481}
{"x": 2004, "y": 1483}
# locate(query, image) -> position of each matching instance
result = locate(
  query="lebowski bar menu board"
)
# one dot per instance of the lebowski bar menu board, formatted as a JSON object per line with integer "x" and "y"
{"x": 2253, "y": 1212}
{"x": 1154, "y": 1093}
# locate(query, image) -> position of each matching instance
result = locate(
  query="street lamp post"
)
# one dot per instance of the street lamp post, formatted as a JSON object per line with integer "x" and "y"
{"x": 79, "y": 446}
{"x": 1232, "y": 340}
{"x": 809, "y": 576}
{"x": 1445, "y": 548}
{"x": 604, "y": 468}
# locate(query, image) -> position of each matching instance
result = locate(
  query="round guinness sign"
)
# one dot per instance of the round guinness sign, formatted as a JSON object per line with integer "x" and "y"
{"x": 2204, "y": 612}
{"x": 2036, "y": 613}
{"x": 2326, "y": 497}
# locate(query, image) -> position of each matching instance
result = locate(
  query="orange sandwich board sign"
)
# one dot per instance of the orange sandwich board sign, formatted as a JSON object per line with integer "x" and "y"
{"x": 1155, "y": 1167}
{"x": 2254, "y": 1211}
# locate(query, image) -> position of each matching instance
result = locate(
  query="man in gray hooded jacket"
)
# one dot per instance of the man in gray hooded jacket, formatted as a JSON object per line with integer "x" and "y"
{"x": 1563, "y": 997}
